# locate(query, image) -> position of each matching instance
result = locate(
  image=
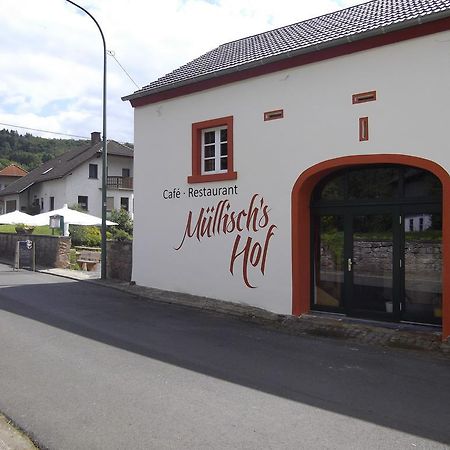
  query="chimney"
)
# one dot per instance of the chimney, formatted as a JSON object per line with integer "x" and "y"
{"x": 95, "y": 137}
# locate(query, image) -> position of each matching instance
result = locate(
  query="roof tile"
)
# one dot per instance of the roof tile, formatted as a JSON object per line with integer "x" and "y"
{"x": 12, "y": 171}
{"x": 301, "y": 36}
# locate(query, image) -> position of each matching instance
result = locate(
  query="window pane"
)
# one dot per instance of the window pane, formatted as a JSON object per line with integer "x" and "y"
{"x": 83, "y": 202}
{"x": 124, "y": 203}
{"x": 334, "y": 189}
{"x": 373, "y": 246}
{"x": 210, "y": 151}
{"x": 210, "y": 137}
{"x": 419, "y": 183}
{"x": 210, "y": 165}
{"x": 223, "y": 135}
{"x": 423, "y": 268}
{"x": 93, "y": 170}
{"x": 329, "y": 261}
{"x": 223, "y": 149}
{"x": 109, "y": 203}
{"x": 223, "y": 163}
{"x": 379, "y": 183}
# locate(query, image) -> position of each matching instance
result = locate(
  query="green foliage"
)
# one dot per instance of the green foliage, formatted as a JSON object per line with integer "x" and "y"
{"x": 77, "y": 207}
{"x": 30, "y": 151}
{"x": 334, "y": 241}
{"x": 21, "y": 228}
{"x": 123, "y": 231}
{"x": 73, "y": 259}
{"x": 121, "y": 235}
{"x": 85, "y": 235}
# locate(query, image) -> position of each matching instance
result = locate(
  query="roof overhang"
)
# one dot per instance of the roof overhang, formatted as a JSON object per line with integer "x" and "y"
{"x": 410, "y": 29}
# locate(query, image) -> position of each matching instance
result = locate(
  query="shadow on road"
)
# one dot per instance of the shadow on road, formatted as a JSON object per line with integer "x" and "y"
{"x": 401, "y": 390}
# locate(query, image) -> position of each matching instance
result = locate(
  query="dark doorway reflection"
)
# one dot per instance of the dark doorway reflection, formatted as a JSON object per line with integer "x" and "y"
{"x": 329, "y": 268}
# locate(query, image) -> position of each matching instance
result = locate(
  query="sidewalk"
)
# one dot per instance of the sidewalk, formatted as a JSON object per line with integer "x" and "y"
{"x": 393, "y": 335}
{"x": 11, "y": 438}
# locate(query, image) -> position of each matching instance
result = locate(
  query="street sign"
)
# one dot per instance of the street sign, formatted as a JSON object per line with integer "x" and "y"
{"x": 25, "y": 255}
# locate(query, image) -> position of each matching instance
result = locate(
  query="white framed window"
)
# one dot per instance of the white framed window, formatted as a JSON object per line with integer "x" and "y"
{"x": 215, "y": 150}
{"x": 212, "y": 151}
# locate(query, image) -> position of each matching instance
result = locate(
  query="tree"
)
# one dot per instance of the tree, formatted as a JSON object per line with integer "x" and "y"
{"x": 124, "y": 228}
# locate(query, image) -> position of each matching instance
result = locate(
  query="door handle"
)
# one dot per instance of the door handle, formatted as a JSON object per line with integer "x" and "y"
{"x": 349, "y": 264}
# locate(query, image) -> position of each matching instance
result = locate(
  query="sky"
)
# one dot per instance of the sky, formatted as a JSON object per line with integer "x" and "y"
{"x": 51, "y": 53}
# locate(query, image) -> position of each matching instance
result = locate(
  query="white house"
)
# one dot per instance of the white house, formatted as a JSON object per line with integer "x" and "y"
{"x": 277, "y": 170}
{"x": 75, "y": 178}
{"x": 8, "y": 175}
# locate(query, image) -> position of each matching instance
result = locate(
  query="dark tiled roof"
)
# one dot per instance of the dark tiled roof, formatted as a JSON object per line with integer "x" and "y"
{"x": 64, "y": 164}
{"x": 309, "y": 35}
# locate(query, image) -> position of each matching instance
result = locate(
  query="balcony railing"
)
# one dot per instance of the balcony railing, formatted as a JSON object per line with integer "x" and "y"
{"x": 119, "y": 182}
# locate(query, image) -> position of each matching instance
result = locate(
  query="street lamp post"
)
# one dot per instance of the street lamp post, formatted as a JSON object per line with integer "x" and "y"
{"x": 104, "y": 152}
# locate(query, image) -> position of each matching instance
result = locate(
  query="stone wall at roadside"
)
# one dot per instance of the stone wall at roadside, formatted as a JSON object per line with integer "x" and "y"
{"x": 51, "y": 251}
{"x": 119, "y": 260}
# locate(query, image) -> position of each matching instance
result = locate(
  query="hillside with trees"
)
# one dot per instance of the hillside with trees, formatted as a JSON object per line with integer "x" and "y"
{"x": 30, "y": 151}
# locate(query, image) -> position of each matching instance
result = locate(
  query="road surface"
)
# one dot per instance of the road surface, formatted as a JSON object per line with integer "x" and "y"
{"x": 87, "y": 367}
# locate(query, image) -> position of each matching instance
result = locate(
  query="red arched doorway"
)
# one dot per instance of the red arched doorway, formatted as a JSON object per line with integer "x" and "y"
{"x": 301, "y": 223}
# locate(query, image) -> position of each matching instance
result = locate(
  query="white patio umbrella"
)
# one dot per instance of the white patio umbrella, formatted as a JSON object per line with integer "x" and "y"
{"x": 71, "y": 217}
{"x": 16, "y": 217}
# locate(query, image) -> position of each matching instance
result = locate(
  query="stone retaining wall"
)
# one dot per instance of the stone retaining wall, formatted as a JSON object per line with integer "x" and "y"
{"x": 119, "y": 260}
{"x": 51, "y": 251}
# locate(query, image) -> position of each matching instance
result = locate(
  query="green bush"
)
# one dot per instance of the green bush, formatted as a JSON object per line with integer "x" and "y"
{"x": 124, "y": 229}
{"x": 73, "y": 259}
{"x": 121, "y": 235}
{"x": 21, "y": 228}
{"x": 85, "y": 236}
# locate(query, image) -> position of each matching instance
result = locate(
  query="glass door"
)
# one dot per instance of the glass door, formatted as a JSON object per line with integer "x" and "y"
{"x": 328, "y": 270}
{"x": 422, "y": 292}
{"x": 371, "y": 265}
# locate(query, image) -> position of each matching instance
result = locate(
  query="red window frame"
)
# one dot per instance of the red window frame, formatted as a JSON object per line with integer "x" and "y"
{"x": 363, "y": 129}
{"x": 197, "y": 176}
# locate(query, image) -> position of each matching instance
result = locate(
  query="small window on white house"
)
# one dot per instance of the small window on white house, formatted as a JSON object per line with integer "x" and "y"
{"x": 83, "y": 202}
{"x": 109, "y": 204}
{"x": 11, "y": 205}
{"x": 93, "y": 171}
{"x": 124, "y": 203}
{"x": 215, "y": 150}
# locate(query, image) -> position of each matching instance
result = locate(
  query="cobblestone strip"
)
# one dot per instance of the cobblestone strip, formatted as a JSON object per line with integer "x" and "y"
{"x": 366, "y": 332}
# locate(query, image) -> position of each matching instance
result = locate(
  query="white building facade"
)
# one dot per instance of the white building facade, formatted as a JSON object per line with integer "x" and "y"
{"x": 237, "y": 178}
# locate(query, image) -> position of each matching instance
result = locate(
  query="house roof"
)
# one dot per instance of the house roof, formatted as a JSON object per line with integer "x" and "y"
{"x": 64, "y": 164}
{"x": 339, "y": 27}
{"x": 13, "y": 170}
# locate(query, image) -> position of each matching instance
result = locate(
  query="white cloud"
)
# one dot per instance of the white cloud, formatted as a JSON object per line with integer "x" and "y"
{"x": 51, "y": 57}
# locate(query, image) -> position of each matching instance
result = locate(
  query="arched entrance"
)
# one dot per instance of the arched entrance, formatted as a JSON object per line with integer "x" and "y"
{"x": 305, "y": 280}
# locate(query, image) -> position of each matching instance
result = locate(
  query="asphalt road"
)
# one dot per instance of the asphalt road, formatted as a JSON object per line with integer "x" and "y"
{"x": 87, "y": 367}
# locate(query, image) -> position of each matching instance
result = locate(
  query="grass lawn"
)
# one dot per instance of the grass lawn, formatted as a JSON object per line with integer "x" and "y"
{"x": 42, "y": 230}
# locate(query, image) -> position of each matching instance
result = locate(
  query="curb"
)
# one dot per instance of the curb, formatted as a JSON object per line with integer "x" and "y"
{"x": 392, "y": 335}
{"x": 389, "y": 335}
{"x": 11, "y": 438}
